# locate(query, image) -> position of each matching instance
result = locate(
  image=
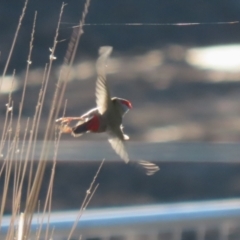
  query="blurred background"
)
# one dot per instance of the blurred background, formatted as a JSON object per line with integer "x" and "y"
{"x": 183, "y": 81}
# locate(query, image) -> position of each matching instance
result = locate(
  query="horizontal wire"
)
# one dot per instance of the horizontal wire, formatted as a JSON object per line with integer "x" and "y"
{"x": 157, "y": 24}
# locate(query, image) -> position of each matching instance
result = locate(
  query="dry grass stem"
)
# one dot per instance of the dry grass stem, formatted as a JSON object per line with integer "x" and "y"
{"x": 34, "y": 191}
{"x": 89, "y": 193}
{"x": 70, "y": 56}
{"x": 14, "y": 42}
{"x": 19, "y": 146}
{"x": 9, "y": 109}
{"x": 35, "y": 127}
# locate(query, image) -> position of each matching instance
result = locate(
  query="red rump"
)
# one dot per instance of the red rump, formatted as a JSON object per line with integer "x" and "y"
{"x": 93, "y": 124}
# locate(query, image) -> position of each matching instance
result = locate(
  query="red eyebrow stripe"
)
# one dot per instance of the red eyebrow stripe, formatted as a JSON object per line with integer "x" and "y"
{"x": 93, "y": 124}
{"x": 127, "y": 103}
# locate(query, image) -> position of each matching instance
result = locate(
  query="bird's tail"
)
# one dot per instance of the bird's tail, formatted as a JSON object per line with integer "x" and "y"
{"x": 149, "y": 167}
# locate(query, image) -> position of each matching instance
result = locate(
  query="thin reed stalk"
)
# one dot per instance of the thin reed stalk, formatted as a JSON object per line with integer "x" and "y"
{"x": 34, "y": 192}
{"x": 70, "y": 55}
{"x": 9, "y": 108}
{"x": 89, "y": 193}
{"x": 13, "y": 43}
{"x": 35, "y": 127}
{"x": 20, "y": 145}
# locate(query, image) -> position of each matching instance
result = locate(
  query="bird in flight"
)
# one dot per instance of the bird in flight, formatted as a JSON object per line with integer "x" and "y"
{"x": 106, "y": 117}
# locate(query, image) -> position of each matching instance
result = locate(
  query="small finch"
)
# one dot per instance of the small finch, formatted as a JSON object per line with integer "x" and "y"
{"x": 107, "y": 116}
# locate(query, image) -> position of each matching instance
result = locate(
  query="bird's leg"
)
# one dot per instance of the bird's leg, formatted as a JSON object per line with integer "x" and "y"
{"x": 68, "y": 119}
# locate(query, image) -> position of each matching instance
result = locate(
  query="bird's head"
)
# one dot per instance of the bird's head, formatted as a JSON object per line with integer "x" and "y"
{"x": 124, "y": 104}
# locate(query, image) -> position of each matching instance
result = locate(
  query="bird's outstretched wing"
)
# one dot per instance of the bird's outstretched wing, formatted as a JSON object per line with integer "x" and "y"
{"x": 103, "y": 97}
{"x": 118, "y": 146}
